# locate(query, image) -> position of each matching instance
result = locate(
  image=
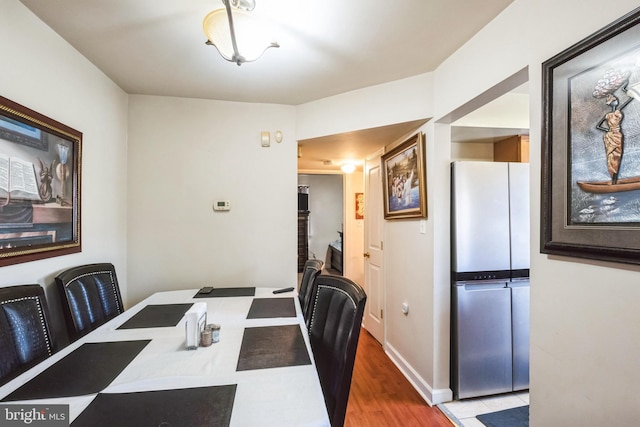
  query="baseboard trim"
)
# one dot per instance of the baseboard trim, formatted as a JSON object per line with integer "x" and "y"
{"x": 431, "y": 396}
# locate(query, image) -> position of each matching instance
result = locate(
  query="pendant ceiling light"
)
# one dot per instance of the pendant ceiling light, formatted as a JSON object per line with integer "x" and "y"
{"x": 348, "y": 167}
{"x": 234, "y": 29}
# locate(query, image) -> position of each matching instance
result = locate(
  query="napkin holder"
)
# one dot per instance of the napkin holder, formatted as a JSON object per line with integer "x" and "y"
{"x": 196, "y": 319}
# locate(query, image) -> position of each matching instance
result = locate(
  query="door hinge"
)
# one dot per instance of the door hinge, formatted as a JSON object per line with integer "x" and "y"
{"x": 381, "y": 314}
{"x": 382, "y": 246}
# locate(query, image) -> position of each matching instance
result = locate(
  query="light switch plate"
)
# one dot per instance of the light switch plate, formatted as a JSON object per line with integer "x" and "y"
{"x": 265, "y": 139}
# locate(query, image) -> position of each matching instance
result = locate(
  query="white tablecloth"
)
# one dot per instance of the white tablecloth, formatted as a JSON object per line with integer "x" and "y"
{"x": 279, "y": 397}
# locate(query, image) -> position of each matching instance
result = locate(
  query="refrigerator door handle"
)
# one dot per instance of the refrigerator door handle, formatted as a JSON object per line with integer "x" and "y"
{"x": 483, "y": 286}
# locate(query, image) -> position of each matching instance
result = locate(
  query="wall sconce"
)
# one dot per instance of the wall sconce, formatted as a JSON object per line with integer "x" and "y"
{"x": 220, "y": 27}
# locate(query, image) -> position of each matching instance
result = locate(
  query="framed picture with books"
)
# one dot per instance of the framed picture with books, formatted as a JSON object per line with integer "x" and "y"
{"x": 40, "y": 171}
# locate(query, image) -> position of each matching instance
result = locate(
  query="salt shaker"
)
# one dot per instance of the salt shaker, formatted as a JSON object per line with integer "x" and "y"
{"x": 215, "y": 332}
{"x": 206, "y": 337}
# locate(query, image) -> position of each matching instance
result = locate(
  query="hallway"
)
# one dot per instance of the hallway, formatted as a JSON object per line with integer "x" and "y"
{"x": 381, "y": 396}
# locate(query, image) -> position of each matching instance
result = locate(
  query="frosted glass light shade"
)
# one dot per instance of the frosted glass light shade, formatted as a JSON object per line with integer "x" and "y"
{"x": 348, "y": 167}
{"x": 252, "y": 38}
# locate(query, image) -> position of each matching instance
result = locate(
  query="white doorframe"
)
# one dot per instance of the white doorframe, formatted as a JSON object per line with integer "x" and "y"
{"x": 373, "y": 245}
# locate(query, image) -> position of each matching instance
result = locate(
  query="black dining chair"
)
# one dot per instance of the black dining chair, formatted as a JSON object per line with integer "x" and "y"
{"x": 312, "y": 268}
{"x": 334, "y": 329}
{"x": 314, "y": 262}
{"x": 25, "y": 336}
{"x": 90, "y": 297}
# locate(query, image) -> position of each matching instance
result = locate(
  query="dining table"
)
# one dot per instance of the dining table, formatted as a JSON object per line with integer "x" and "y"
{"x": 136, "y": 369}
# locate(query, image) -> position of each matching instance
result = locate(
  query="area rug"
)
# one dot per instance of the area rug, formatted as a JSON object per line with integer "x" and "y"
{"x": 514, "y": 417}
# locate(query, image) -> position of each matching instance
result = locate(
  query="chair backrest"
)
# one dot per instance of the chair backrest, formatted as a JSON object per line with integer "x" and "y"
{"x": 90, "y": 297}
{"x": 336, "y": 316}
{"x": 316, "y": 263}
{"x": 25, "y": 336}
{"x": 312, "y": 268}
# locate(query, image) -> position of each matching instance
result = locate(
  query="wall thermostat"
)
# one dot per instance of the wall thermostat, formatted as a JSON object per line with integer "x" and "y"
{"x": 222, "y": 205}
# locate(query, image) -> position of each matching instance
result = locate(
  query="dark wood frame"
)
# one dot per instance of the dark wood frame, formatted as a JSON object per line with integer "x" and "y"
{"x": 416, "y": 142}
{"x": 562, "y": 230}
{"x": 55, "y": 215}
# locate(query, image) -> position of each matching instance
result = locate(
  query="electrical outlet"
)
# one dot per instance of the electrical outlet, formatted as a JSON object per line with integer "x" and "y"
{"x": 405, "y": 308}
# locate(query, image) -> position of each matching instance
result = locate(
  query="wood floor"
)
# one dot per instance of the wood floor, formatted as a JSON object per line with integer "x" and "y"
{"x": 381, "y": 396}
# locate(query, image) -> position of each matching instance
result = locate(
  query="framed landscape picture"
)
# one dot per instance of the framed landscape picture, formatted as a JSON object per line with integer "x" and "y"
{"x": 404, "y": 180}
{"x": 591, "y": 146}
{"x": 39, "y": 186}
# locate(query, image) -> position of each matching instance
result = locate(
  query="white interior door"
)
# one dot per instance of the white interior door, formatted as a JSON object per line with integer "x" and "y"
{"x": 373, "y": 231}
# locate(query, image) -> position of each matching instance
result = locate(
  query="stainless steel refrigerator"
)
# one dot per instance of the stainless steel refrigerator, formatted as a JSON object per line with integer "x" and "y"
{"x": 490, "y": 278}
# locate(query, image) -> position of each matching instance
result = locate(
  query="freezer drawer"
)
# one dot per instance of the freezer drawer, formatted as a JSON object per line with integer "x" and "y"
{"x": 482, "y": 362}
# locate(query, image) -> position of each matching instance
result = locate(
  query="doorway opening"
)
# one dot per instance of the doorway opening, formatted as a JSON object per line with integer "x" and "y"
{"x": 490, "y": 134}
{"x": 321, "y": 229}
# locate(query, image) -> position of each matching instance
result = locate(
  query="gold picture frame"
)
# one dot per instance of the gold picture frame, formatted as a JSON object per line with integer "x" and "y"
{"x": 404, "y": 180}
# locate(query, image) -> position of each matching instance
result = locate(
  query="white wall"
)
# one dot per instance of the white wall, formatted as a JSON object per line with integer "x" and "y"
{"x": 413, "y": 342}
{"x": 584, "y": 323}
{"x": 511, "y": 110}
{"x": 184, "y": 154}
{"x": 419, "y": 342}
{"x": 326, "y": 212}
{"x": 42, "y": 72}
{"x": 583, "y": 353}
{"x": 385, "y": 104}
{"x": 353, "y": 244}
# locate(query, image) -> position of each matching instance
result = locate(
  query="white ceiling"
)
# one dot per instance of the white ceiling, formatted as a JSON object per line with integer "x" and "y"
{"x": 349, "y": 147}
{"x": 328, "y": 47}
